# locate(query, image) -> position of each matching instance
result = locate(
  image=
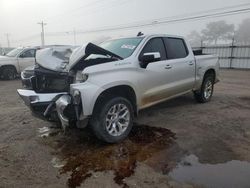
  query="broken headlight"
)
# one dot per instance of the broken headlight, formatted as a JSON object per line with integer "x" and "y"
{"x": 80, "y": 77}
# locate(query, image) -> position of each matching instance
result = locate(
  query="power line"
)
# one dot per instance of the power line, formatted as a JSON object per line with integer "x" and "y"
{"x": 182, "y": 15}
{"x": 90, "y": 12}
{"x": 72, "y": 11}
{"x": 186, "y": 15}
{"x": 159, "y": 22}
{"x": 8, "y": 40}
{"x": 213, "y": 10}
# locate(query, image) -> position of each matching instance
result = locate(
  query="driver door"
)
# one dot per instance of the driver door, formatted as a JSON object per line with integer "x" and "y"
{"x": 26, "y": 59}
{"x": 155, "y": 78}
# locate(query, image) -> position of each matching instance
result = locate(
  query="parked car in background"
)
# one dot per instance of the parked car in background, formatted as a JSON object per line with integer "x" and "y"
{"x": 4, "y": 51}
{"x": 105, "y": 86}
{"x": 18, "y": 59}
{"x": 15, "y": 61}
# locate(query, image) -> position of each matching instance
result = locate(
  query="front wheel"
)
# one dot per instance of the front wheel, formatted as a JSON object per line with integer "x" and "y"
{"x": 113, "y": 119}
{"x": 8, "y": 73}
{"x": 206, "y": 91}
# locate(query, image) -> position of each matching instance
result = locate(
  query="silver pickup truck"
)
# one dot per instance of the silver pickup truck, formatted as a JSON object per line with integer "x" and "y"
{"x": 106, "y": 85}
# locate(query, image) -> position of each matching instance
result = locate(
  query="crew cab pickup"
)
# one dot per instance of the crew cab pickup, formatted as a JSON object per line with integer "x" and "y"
{"x": 106, "y": 85}
{"x": 16, "y": 61}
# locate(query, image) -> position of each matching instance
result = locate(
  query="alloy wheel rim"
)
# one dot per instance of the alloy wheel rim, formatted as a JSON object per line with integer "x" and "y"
{"x": 208, "y": 89}
{"x": 117, "y": 119}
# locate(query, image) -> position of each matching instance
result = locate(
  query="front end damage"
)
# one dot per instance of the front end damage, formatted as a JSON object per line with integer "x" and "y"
{"x": 54, "y": 107}
{"x": 47, "y": 90}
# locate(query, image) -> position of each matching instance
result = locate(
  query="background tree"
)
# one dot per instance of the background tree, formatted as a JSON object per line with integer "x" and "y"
{"x": 219, "y": 30}
{"x": 194, "y": 38}
{"x": 243, "y": 32}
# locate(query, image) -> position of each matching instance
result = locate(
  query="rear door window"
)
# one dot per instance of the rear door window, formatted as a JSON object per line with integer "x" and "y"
{"x": 176, "y": 48}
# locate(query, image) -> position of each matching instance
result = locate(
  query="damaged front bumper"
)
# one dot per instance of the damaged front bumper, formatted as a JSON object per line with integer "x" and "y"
{"x": 51, "y": 106}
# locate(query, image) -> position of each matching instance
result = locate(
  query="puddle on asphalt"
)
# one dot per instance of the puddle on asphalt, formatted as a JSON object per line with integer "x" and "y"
{"x": 80, "y": 153}
{"x": 229, "y": 175}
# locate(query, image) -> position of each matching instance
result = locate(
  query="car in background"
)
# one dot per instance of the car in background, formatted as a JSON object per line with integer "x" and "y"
{"x": 18, "y": 59}
{"x": 14, "y": 62}
{"x": 4, "y": 51}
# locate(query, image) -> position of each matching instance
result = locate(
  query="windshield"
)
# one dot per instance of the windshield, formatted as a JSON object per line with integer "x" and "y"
{"x": 122, "y": 47}
{"x": 13, "y": 53}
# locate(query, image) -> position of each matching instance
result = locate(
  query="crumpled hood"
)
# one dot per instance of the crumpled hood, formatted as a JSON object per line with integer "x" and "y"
{"x": 54, "y": 58}
{"x": 65, "y": 59}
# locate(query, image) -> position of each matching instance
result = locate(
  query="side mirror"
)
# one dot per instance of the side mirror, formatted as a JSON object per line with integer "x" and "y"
{"x": 4, "y": 54}
{"x": 150, "y": 57}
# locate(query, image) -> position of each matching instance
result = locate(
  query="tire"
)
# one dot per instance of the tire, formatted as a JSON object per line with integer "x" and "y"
{"x": 107, "y": 122}
{"x": 206, "y": 92}
{"x": 8, "y": 73}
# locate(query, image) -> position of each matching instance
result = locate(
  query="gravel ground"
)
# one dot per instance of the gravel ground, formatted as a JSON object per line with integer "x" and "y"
{"x": 166, "y": 137}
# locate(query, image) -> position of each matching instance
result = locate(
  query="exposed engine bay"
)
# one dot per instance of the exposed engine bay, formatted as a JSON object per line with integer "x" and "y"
{"x": 56, "y": 69}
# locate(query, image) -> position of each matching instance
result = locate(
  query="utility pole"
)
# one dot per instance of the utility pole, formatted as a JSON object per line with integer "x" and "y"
{"x": 1, "y": 52}
{"x": 74, "y": 32}
{"x": 42, "y": 33}
{"x": 8, "y": 40}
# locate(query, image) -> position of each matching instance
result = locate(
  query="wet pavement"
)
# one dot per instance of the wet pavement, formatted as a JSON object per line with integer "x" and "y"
{"x": 222, "y": 175}
{"x": 176, "y": 144}
{"x": 80, "y": 154}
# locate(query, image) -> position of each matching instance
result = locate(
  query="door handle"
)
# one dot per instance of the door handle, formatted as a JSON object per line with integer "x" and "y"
{"x": 190, "y": 62}
{"x": 168, "y": 67}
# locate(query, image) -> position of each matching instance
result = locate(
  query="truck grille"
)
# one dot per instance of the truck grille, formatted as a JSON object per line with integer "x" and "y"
{"x": 51, "y": 84}
{"x": 42, "y": 80}
{"x": 47, "y": 81}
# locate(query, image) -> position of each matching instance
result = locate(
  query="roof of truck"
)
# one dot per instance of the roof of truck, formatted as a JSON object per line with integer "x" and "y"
{"x": 148, "y": 36}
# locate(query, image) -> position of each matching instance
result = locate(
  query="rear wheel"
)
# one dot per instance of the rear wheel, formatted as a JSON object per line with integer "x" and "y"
{"x": 8, "y": 73}
{"x": 113, "y": 119}
{"x": 206, "y": 91}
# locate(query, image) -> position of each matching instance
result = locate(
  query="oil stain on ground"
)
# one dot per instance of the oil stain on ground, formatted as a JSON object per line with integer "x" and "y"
{"x": 82, "y": 154}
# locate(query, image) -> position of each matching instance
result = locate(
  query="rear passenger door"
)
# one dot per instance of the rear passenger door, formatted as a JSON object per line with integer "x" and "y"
{"x": 182, "y": 64}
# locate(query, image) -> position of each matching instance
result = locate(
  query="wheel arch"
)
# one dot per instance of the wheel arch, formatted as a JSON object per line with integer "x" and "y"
{"x": 210, "y": 71}
{"x": 201, "y": 76}
{"x": 125, "y": 91}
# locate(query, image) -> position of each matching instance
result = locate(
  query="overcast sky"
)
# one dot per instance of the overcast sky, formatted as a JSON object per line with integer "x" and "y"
{"x": 19, "y": 18}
